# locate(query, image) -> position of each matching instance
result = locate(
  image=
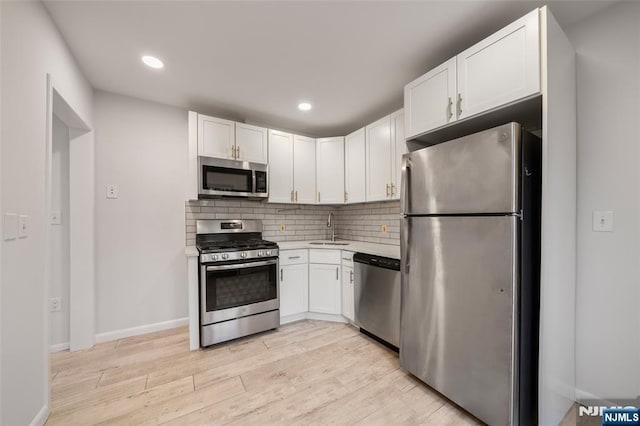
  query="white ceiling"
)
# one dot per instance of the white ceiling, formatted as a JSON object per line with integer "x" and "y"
{"x": 254, "y": 61}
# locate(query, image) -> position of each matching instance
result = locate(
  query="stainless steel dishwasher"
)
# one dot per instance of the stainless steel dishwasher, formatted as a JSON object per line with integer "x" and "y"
{"x": 377, "y": 296}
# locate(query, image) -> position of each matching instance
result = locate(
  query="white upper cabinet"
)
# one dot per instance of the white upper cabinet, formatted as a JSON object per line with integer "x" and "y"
{"x": 500, "y": 69}
{"x": 216, "y": 137}
{"x": 280, "y": 167}
{"x": 330, "y": 173}
{"x": 354, "y": 167}
{"x": 251, "y": 143}
{"x": 399, "y": 149}
{"x": 429, "y": 100}
{"x": 379, "y": 160}
{"x": 304, "y": 169}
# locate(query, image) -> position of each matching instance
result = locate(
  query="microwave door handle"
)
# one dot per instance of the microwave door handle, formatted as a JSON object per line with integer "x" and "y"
{"x": 254, "y": 182}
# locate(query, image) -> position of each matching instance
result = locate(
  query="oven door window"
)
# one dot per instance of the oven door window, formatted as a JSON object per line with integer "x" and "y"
{"x": 225, "y": 179}
{"x": 230, "y": 288}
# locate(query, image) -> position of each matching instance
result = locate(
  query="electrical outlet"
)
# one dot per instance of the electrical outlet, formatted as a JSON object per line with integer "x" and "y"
{"x": 23, "y": 226}
{"x": 112, "y": 191}
{"x": 56, "y": 304}
{"x": 283, "y": 228}
{"x": 383, "y": 229}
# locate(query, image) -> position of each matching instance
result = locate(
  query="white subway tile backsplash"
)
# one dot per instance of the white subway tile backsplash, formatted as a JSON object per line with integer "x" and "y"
{"x": 359, "y": 222}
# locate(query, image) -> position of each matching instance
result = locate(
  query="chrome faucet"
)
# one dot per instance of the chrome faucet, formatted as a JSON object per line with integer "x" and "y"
{"x": 331, "y": 224}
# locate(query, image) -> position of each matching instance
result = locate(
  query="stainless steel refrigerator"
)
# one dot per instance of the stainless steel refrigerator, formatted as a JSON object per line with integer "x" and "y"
{"x": 470, "y": 249}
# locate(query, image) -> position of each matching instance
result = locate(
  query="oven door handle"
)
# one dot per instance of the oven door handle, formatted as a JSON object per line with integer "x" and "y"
{"x": 242, "y": 265}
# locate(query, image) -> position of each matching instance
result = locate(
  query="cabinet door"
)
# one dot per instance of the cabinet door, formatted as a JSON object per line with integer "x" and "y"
{"x": 330, "y": 173}
{"x": 215, "y": 137}
{"x": 304, "y": 169}
{"x": 348, "y": 306}
{"x": 294, "y": 289}
{"x": 399, "y": 149}
{"x": 251, "y": 143}
{"x": 429, "y": 101}
{"x": 325, "y": 291}
{"x": 500, "y": 69}
{"x": 354, "y": 167}
{"x": 378, "y": 155}
{"x": 280, "y": 167}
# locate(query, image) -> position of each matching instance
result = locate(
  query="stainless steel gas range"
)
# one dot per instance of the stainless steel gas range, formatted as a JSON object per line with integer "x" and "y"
{"x": 239, "y": 292}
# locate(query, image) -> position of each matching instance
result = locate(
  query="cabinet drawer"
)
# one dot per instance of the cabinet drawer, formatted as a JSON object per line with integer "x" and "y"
{"x": 347, "y": 258}
{"x": 324, "y": 256}
{"x": 293, "y": 257}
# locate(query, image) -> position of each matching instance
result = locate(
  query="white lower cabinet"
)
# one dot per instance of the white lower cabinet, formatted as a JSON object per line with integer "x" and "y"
{"x": 294, "y": 289}
{"x": 348, "y": 302}
{"x": 325, "y": 292}
{"x": 311, "y": 281}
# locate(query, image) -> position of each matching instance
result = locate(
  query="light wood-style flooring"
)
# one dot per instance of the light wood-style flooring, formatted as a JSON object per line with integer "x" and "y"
{"x": 309, "y": 372}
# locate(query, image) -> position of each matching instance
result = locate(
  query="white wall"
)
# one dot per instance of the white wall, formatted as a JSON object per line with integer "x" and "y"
{"x": 608, "y": 264}
{"x": 31, "y": 48}
{"x": 59, "y": 283}
{"x": 140, "y": 263}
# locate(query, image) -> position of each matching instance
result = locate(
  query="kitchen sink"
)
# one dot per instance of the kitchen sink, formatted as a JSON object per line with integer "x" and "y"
{"x": 322, "y": 243}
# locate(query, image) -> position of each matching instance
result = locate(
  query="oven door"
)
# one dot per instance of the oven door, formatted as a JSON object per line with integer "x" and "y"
{"x": 237, "y": 290}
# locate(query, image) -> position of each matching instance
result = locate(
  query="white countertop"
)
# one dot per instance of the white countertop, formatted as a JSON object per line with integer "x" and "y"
{"x": 387, "y": 250}
{"x": 191, "y": 251}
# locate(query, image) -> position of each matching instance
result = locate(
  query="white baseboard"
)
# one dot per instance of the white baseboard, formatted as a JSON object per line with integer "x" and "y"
{"x": 293, "y": 318}
{"x": 313, "y": 316}
{"x": 580, "y": 395}
{"x": 142, "y": 329}
{"x": 41, "y": 417}
{"x": 59, "y": 347}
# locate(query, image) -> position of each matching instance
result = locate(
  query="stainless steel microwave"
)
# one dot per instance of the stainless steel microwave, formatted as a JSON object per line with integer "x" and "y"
{"x": 230, "y": 178}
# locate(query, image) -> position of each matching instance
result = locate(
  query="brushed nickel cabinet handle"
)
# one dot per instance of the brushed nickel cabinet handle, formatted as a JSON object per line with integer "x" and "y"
{"x": 292, "y": 195}
{"x": 387, "y": 190}
{"x": 296, "y": 196}
{"x": 318, "y": 196}
{"x": 350, "y": 276}
{"x": 450, "y": 109}
{"x": 281, "y": 275}
{"x": 393, "y": 190}
{"x": 237, "y": 152}
{"x": 233, "y": 152}
{"x": 337, "y": 273}
{"x": 459, "y": 105}
{"x": 294, "y": 257}
{"x": 346, "y": 196}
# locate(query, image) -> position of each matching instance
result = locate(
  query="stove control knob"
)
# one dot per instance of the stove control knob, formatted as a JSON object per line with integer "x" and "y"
{"x": 243, "y": 254}
{"x": 225, "y": 256}
{"x": 214, "y": 257}
{"x": 268, "y": 253}
{"x": 260, "y": 253}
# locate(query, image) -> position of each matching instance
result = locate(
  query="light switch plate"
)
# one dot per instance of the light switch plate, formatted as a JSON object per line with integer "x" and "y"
{"x": 112, "y": 191}
{"x": 23, "y": 226}
{"x": 603, "y": 221}
{"x": 10, "y": 226}
{"x": 56, "y": 217}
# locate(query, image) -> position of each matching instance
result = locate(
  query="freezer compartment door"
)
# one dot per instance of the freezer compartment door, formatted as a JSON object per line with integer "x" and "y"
{"x": 457, "y": 323}
{"x": 473, "y": 174}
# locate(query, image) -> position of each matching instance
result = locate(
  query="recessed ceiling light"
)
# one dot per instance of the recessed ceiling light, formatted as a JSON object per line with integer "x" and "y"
{"x": 152, "y": 61}
{"x": 304, "y": 106}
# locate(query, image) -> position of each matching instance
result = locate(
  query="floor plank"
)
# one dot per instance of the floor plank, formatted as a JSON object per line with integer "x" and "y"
{"x": 308, "y": 372}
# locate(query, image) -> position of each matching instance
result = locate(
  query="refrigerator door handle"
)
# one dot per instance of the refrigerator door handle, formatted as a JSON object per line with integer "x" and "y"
{"x": 406, "y": 172}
